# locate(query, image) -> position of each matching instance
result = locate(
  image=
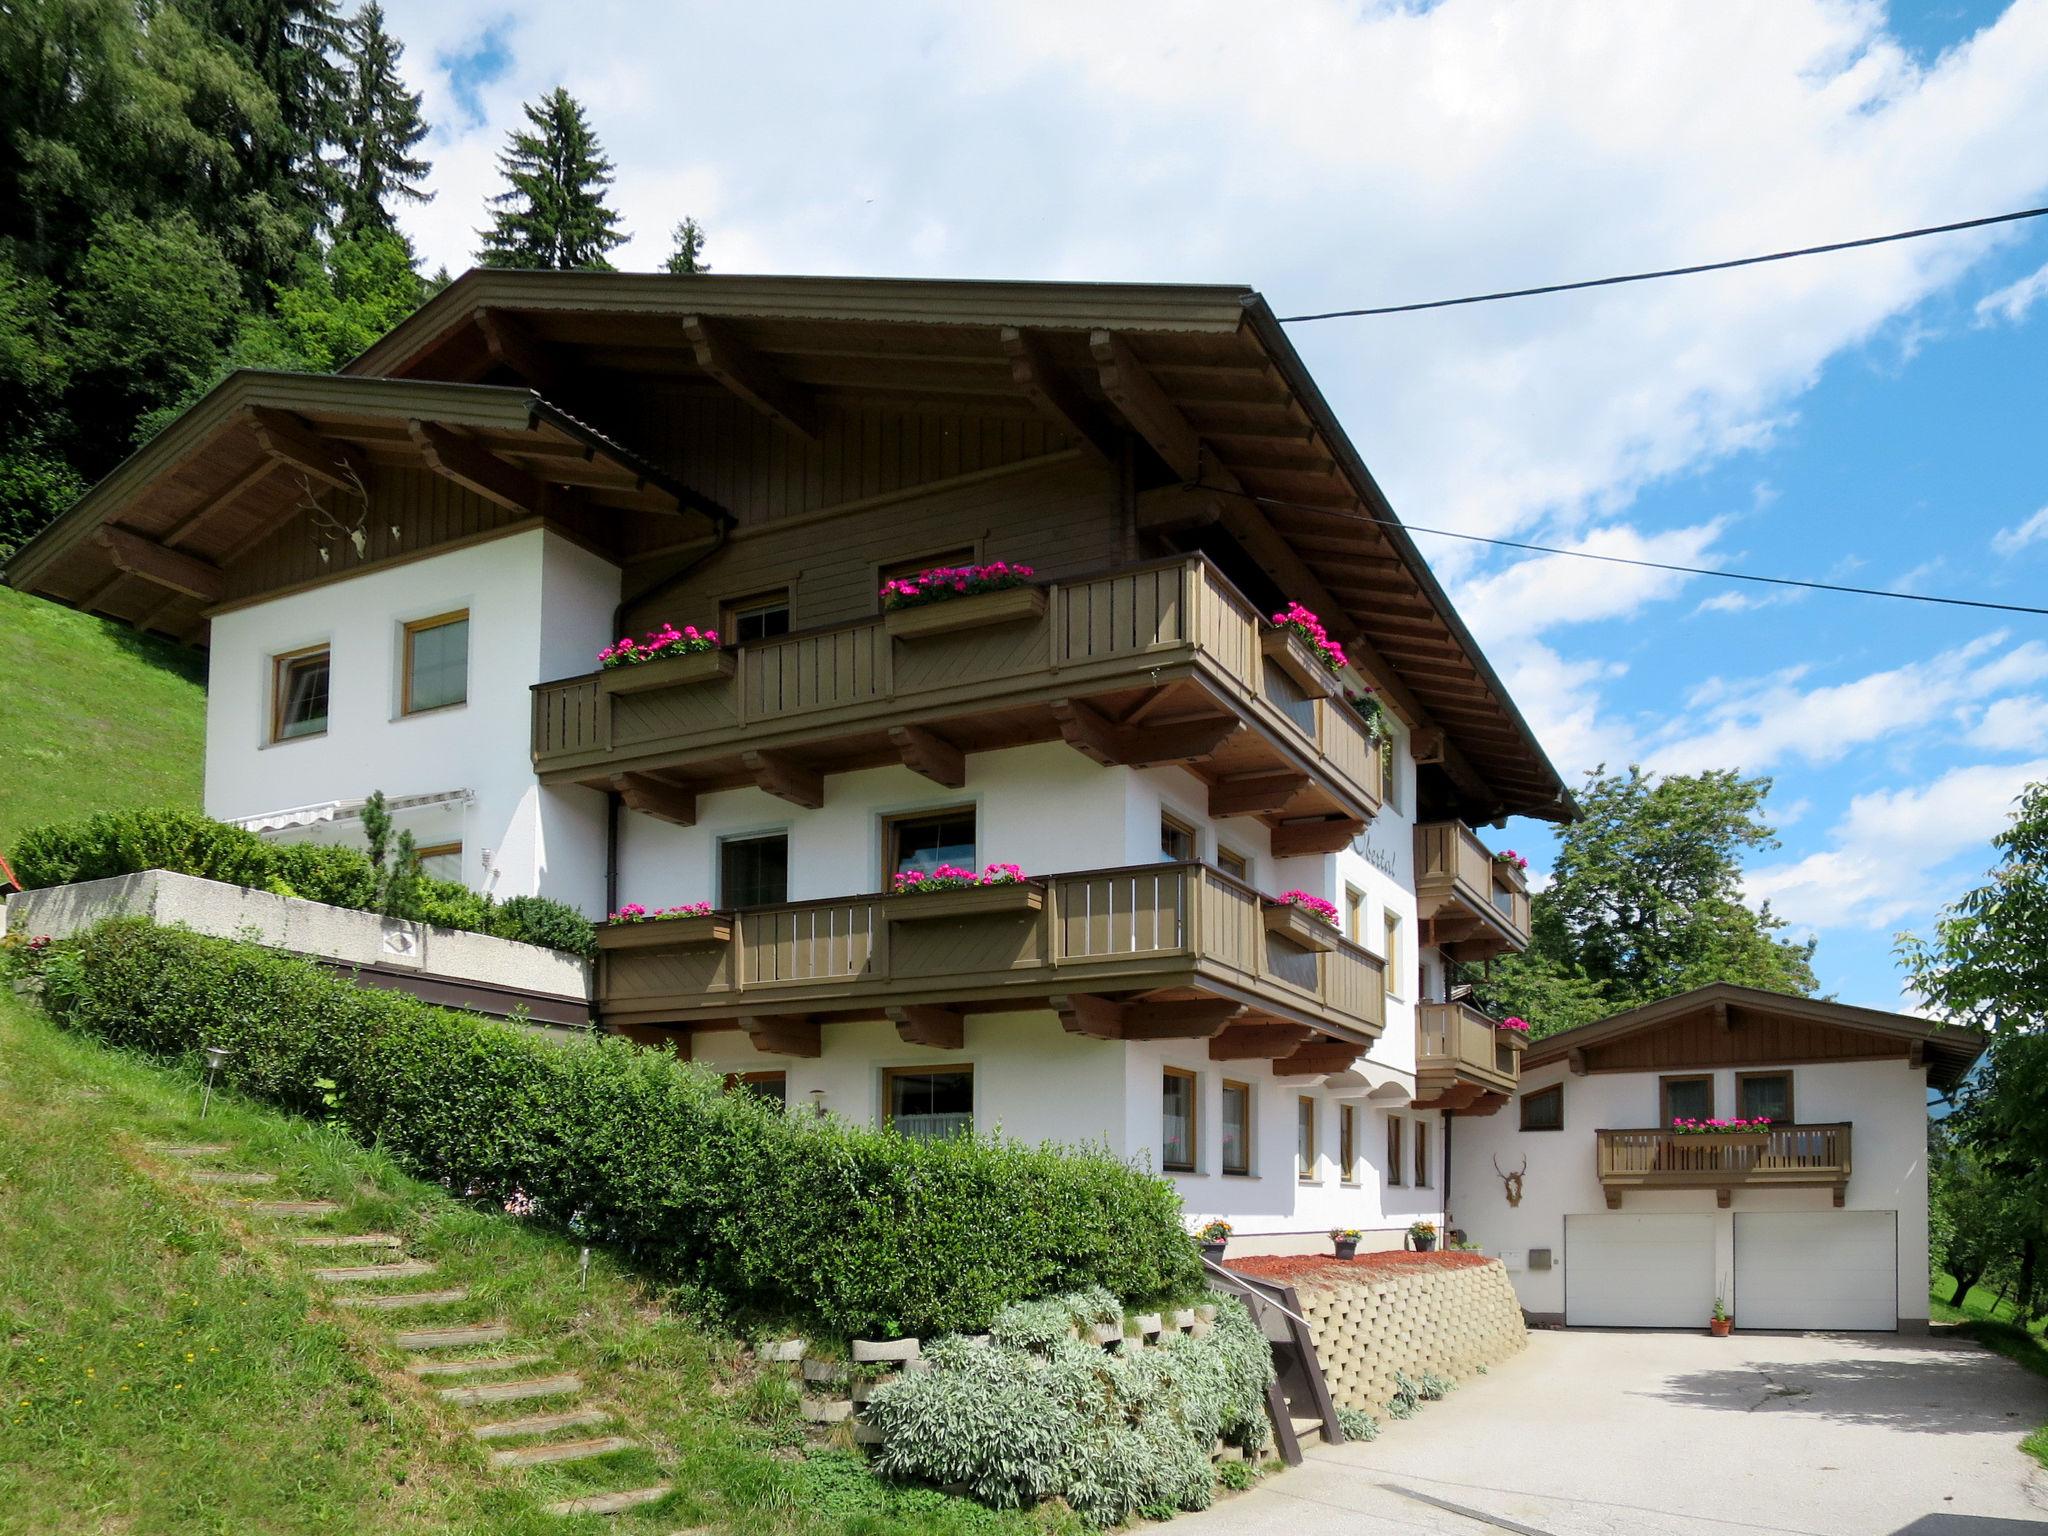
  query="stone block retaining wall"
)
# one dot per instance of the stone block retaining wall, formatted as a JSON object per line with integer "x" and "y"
{"x": 1369, "y": 1325}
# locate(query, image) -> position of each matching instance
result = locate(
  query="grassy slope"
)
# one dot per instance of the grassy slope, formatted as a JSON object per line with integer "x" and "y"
{"x": 1993, "y": 1324}
{"x": 167, "y": 1372}
{"x": 92, "y": 716}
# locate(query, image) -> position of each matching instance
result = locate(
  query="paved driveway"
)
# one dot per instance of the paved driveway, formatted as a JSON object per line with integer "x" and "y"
{"x": 1679, "y": 1434}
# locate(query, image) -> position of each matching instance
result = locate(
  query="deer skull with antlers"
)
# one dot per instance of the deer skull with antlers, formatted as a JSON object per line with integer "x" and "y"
{"x": 1512, "y": 1182}
{"x": 328, "y": 527}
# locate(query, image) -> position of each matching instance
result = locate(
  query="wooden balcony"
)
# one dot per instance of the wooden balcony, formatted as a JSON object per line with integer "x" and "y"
{"x": 1462, "y": 1062}
{"x": 1472, "y": 905}
{"x": 1785, "y": 1156}
{"x": 1158, "y": 663}
{"x": 1154, "y": 951}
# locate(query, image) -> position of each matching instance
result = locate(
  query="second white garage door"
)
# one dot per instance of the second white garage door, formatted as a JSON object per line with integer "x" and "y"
{"x": 1817, "y": 1269}
{"x": 1649, "y": 1271}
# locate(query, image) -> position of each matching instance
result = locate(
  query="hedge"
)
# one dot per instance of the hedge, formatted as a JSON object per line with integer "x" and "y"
{"x": 186, "y": 843}
{"x": 863, "y": 1231}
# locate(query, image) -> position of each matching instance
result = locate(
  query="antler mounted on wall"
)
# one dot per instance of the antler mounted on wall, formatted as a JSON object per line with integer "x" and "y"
{"x": 1512, "y": 1182}
{"x": 327, "y": 525}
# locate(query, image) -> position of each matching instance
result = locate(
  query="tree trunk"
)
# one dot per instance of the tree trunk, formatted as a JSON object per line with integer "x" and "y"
{"x": 1967, "y": 1274}
{"x": 2023, "y": 1299}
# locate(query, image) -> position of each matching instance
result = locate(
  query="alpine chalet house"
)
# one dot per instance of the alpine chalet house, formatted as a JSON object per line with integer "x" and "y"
{"x": 405, "y": 574}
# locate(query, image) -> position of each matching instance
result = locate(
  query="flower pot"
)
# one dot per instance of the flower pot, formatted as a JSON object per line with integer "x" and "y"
{"x": 1213, "y": 1252}
{"x": 1719, "y": 1326}
{"x": 1012, "y": 605}
{"x": 1303, "y": 927}
{"x": 669, "y": 672}
{"x": 666, "y": 932}
{"x": 970, "y": 901}
{"x": 1347, "y": 1247}
{"x": 1294, "y": 656}
{"x": 1422, "y": 1244}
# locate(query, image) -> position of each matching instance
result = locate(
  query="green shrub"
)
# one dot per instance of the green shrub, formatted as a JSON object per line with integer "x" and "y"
{"x": 1112, "y": 1434}
{"x": 867, "y": 1232}
{"x": 186, "y": 843}
{"x": 1357, "y": 1425}
{"x": 1406, "y": 1399}
{"x": 1236, "y": 1475}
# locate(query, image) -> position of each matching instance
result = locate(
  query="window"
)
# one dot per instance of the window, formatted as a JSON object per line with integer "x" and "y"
{"x": 1305, "y": 1139}
{"x": 1390, "y": 774}
{"x": 930, "y": 1106}
{"x": 298, "y": 705}
{"x": 1347, "y": 1143}
{"x": 1177, "y": 840}
{"x": 1390, "y": 952}
{"x": 1543, "y": 1110}
{"x": 1237, "y": 1127}
{"x": 1177, "y": 1122}
{"x": 1354, "y": 914}
{"x": 1395, "y": 1148}
{"x": 442, "y": 861}
{"x": 436, "y": 663}
{"x": 1766, "y": 1095}
{"x": 1686, "y": 1098}
{"x": 927, "y": 840}
{"x": 773, "y": 1086}
{"x": 1234, "y": 864}
{"x": 761, "y": 617}
{"x": 753, "y": 871}
{"x": 1422, "y": 1154}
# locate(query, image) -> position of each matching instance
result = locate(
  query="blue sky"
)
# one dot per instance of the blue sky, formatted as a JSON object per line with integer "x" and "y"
{"x": 1878, "y": 417}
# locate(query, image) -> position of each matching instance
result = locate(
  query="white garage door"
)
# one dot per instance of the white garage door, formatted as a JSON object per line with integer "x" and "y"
{"x": 1624, "y": 1271}
{"x": 1816, "y": 1269}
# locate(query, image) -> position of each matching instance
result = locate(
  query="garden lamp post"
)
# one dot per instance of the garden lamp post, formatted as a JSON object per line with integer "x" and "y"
{"x": 216, "y": 1058}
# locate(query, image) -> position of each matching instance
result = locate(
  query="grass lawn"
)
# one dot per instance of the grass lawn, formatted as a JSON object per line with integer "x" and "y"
{"x": 96, "y": 717}
{"x": 170, "y": 1369}
{"x": 1992, "y": 1324}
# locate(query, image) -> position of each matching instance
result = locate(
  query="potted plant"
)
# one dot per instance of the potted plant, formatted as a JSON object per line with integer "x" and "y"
{"x": 1365, "y": 703}
{"x": 953, "y": 597}
{"x": 1719, "y": 1324}
{"x": 1308, "y": 920}
{"x": 1213, "y": 1236}
{"x": 1346, "y": 1239}
{"x": 1296, "y": 642}
{"x": 666, "y": 658}
{"x": 1422, "y": 1236}
{"x": 998, "y": 888}
{"x": 635, "y": 926}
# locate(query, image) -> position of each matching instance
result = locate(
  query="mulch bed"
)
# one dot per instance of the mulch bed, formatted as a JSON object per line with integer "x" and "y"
{"x": 1289, "y": 1268}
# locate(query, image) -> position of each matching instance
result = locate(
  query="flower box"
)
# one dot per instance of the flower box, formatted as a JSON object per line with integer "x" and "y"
{"x": 669, "y": 672}
{"x": 1292, "y": 655}
{"x": 1304, "y": 928}
{"x": 976, "y": 901}
{"x": 666, "y": 933}
{"x": 975, "y": 611}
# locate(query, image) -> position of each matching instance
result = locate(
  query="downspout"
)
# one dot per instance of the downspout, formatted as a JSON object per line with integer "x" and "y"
{"x": 611, "y": 850}
{"x": 1449, "y": 1118}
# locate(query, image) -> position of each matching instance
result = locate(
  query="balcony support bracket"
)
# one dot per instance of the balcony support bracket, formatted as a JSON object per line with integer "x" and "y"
{"x": 1318, "y": 1059}
{"x": 1255, "y": 796}
{"x": 940, "y": 1029}
{"x": 1613, "y": 1197}
{"x": 783, "y": 1035}
{"x": 1258, "y": 1042}
{"x": 1200, "y": 1018}
{"x": 786, "y": 780}
{"x": 652, "y": 797}
{"x": 923, "y": 752}
{"x": 1094, "y": 737}
{"x": 1294, "y": 839}
{"x": 1721, "y": 1197}
{"x": 1083, "y": 1013}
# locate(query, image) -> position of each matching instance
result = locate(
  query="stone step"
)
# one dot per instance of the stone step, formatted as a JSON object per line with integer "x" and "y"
{"x": 475, "y": 1367}
{"x": 562, "y": 1450}
{"x": 224, "y": 1177}
{"x": 1306, "y": 1430}
{"x": 403, "y": 1300}
{"x": 396, "y": 1271}
{"x": 610, "y": 1503}
{"x": 345, "y": 1240}
{"x": 541, "y": 1424}
{"x": 280, "y": 1207}
{"x": 196, "y": 1149}
{"x": 513, "y": 1391}
{"x": 455, "y": 1337}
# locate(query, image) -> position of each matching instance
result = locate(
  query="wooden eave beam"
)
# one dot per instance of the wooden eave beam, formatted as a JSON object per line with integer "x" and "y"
{"x": 745, "y": 373}
{"x": 1054, "y": 395}
{"x": 297, "y": 446}
{"x": 1151, "y": 413}
{"x": 138, "y": 556}
{"x": 190, "y": 524}
{"x": 1085, "y": 729}
{"x": 1096, "y": 1018}
{"x": 1175, "y": 509}
{"x": 474, "y": 467}
{"x": 511, "y": 346}
{"x": 1256, "y": 796}
{"x": 663, "y": 801}
{"x": 931, "y": 755}
{"x": 939, "y": 1029}
{"x": 783, "y": 1035}
{"x": 786, "y": 779}
{"x": 1318, "y": 1059}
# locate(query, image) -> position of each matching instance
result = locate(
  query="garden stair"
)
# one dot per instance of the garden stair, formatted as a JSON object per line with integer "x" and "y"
{"x": 541, "y": 1424}
{"x": 421, "y": 1366}
{"x": 1298, "y": 1402}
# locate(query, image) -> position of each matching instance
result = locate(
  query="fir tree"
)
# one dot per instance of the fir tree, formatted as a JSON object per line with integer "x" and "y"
{"x": 688, "y": 256}
{"x": 381, "y": 129}
{"x": 553, "y": 215}
{"x": 294, "y": 47}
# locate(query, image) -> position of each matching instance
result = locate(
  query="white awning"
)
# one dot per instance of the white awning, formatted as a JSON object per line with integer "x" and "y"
{"x": 344, "y": 810}
{"x": 1370, "y": 1080}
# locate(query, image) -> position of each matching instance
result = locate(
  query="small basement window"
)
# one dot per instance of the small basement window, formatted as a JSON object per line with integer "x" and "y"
{"x": 298, "y": 706}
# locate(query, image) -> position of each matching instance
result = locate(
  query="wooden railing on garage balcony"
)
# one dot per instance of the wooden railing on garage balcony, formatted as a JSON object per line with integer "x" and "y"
{"x": 1782, "y": 1156}
{"x": 1473, "y": 905}
{"x": 1146, "y": 952}
{"x": 1463, "y": 1061}
{"x": 1169, "y": 642}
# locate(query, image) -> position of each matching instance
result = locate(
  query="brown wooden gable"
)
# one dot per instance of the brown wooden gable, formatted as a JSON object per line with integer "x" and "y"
{"x": 1748, "y": 1038}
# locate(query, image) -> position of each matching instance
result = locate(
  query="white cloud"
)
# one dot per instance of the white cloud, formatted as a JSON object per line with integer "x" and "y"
{"x": 2018, "y": 724}
{"x": 1529, "y": 597}
{"x": 1886, "y": 851}
{"x": 2008, "y": 542}
{"x": 2012, "y": 302}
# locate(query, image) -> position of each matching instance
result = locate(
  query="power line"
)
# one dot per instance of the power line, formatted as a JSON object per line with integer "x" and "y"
{"x": 1651, "y": 565}
{"x": 1644, "y": 277}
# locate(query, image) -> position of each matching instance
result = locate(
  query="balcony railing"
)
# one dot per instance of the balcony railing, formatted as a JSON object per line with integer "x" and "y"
{"x": 1184, "y": 931}
{"x": 829, "y": 698}
{"x": 1458, "y": 1049}
{"x": 1782, "y": 1156}
{"x": 1473, "y": 905}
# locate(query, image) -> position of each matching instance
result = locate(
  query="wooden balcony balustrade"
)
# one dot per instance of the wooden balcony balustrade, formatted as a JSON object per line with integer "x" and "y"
{"x": 1782, "y": 1156}
{"x": 1472, "y": 905}
{"x": 1155, "y": 663}
{"x": 1153, "y": 951}
{"x": 1463, "y": 1063}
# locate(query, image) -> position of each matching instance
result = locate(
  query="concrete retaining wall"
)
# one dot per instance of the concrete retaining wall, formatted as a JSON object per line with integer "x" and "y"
{"x": 1368, "y": 1326}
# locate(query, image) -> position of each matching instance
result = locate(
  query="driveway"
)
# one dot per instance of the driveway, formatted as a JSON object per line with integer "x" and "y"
{"x": 1678, "y": 1434}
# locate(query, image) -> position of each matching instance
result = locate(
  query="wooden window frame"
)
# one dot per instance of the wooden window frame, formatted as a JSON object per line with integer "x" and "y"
{"x": 1397, "y": 1152}
{"x": 718, "y": 847}
{"x": 1555, "y": 1089}
{"x": 1250, "y": 1121}
{"x": 754, "y": 1079}
{"x": 1225, "y": 857}
{"x": 438, "y": 851}
{"x": 1167, "y": 819}
{"x": 414, "y": 628}
{"x": 891, "y": 820}
{"x": 1664, "y": 1082}
{"x": 1305, "y": 1167}
{"x": 890, "y": 1074}
{"x": 1355, "y": 909}
{"x": 1791, "y": 1103}
{"x": 1390, "y": 954}
{"x": 280, "y": 669}
{"x": 1423, "y": 1168}
{"x": 1194, "y": 1083}
{"x": 1347, "y": 1144}
{"x": 893, "y": 570}
{"x": 730, "y": 609}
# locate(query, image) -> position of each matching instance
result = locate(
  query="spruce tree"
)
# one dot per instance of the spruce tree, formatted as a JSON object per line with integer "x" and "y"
{"x": 553, "y": 215}
{"x": 688, "y": 256}
{"x": 294, "y": 47}
{"x": 380, "y": 130}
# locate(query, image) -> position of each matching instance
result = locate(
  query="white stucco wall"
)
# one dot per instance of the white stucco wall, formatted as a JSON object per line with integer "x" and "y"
{"x": 539, "y": 608}
{"x": 1884, "y": 1101}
